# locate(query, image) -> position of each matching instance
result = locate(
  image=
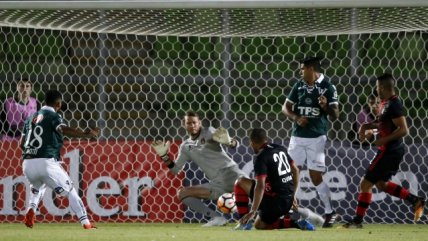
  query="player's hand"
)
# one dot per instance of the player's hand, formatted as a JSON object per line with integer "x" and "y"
{"x": 322, "y": 101}
{"x": 379, "y": 142}
{"x": 221, "y": 135}
{"x": 362, "y": 133}
{"x": 302, "y": 121}
{"x": 247, "y": 217}
{"x": 161, "y": 147}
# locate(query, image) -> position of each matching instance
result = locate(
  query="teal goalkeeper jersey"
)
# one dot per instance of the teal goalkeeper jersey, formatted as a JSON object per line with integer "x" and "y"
{"x": 305, "y": 103}
{"x": 41, "y": 136}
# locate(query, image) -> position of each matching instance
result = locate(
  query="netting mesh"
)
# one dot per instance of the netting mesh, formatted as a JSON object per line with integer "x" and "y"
{"x": 224, "y": 22}
{"x": 137, "y": 87}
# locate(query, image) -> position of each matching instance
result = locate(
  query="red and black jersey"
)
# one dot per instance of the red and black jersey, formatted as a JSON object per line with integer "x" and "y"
{"x": 274, "y": 163}
{"x": 390, "y": 109}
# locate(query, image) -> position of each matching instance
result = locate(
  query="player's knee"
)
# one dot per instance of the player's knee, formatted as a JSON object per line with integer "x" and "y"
{"x": 365, "y": 185}
{"x": 381, "y": 185}
{"x": 239, "y": 181}
{"x": 244, "y": 182}
{"x": 316, "y": 179}
{"x": 258, "y": 224}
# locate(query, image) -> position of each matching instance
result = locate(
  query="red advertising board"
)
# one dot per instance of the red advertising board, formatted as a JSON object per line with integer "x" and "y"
{"x": 119, "y": 181}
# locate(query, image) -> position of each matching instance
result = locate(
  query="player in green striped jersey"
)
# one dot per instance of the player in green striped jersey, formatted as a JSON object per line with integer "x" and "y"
{"x": 41, "y": 142}
{"x": 311, "y": 101}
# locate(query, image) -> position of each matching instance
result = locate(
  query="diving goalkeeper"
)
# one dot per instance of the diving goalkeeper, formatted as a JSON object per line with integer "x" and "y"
{"x": 204, "y": 146}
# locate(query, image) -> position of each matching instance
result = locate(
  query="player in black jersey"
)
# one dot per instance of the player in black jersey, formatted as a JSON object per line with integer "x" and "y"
{"x": 392, "y": 126}
{"x": 273, "y": 189}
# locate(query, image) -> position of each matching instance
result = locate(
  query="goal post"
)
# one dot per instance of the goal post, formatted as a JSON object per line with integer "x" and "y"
{"x": 134, "y": 67}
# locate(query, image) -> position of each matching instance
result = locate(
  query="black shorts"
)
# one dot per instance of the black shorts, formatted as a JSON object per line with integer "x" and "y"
{"x": 384, "y": 165}
{"x": 273, "y": 207}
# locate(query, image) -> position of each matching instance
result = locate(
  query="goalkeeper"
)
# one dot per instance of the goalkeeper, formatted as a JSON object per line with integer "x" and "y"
{"x": 204, "y": 146}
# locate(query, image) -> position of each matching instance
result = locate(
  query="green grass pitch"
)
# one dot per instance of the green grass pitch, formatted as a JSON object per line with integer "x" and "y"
{"x": 194, "y": 232}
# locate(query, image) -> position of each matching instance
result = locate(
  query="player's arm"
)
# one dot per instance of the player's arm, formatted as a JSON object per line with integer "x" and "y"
{"x": 401, "y": 131}
{"x": 162, "y": 150}
{"x": 362, "y": 134}
{"x": 257, "y": 199}
{"x": 362, "y": 131}
{"x": 24, "y": 134}
{"x": 258, "y": 193}
{"x": 287, "y": 109}
{"x": 21, "y": 142}
{"x": 332, "y": 110}
{"x": 78, "y": 133}
{"x": 329, "y": 103}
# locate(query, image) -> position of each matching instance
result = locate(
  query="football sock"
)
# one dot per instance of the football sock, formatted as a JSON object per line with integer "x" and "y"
{"x": 314, "y": 218}
{"x": 400, "y": 192}
{"x": 76, "y": 205}
{"x": 324, "y": 193}
{"x": 197, "y": 205}
{"x": 364, "y": 200}
{"x": 241, "y": 200}
{"x": 36, "y": 196}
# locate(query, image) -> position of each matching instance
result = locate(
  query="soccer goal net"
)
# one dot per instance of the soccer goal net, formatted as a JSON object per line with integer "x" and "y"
{"x": 133, "y": 68}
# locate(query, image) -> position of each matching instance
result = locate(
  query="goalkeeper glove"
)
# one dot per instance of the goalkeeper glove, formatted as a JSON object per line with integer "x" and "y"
{"x": 162, "y": 149}
{"x": 222, "y": 136}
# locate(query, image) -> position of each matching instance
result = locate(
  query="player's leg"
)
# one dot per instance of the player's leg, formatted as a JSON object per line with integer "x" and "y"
{"x": 374, "y": 174}
{"x": 60, "y": 182}
{"x": 33, "y": 170}
{"x": 193, "y": 197}
{"x": 391, "y": 167}
{"x": 273, "y": 214}
{"x": 36, "y": 195}
{"x": 297, "y": 151}
{"x": 316, "y": 164}
{"x": 306, "y": 213}
{"x": 396, "y": 190}
{"x": 364, "y": 200}
{"x": 243, "y": 189}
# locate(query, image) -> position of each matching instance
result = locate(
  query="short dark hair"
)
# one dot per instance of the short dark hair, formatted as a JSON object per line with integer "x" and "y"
{"x": 386, "y": 80}
{"x": 314, "y": 62}
{"x": 23, "y": 80}
{"x": 258, "y": 135}
{"x": 52, "y": 96}
{"x": 191, "y": 113}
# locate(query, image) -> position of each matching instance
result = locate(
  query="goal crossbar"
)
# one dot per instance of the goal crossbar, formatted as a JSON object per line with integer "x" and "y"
{"x": 204, "y": 4}
{"x": 266, "y": 22}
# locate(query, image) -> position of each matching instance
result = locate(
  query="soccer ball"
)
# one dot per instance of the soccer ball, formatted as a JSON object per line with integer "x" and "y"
{"x": 226, "y": 203}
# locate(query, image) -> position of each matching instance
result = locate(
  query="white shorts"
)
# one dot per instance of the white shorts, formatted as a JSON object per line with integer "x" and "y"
{"x": 308, "y": 149}
{"x": 41, "y": 171}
